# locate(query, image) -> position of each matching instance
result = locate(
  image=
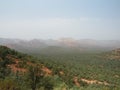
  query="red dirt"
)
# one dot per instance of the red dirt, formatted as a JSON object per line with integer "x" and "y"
{"x": 47, "y": 71}
{"x": 15, "y": 69}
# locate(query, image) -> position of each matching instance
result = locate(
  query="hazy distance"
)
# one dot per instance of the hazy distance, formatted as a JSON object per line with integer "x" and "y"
{"x": 53, "y": 19}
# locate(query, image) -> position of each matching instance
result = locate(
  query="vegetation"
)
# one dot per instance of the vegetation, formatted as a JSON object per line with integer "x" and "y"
{"x": 59, "y": 71}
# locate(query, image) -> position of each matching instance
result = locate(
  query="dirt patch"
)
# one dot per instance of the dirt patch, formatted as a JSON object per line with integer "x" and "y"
{"x": 76, "y": 81}
{"x": 46, "y": 70}
{"x": 61, "y": 73}
{"x": 15, "y": 69}
{"x": 94, "y": 82}
{"x": 117, "y": 76}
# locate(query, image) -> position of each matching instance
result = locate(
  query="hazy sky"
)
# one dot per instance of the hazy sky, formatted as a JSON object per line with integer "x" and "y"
{"x": 46, "y": 19}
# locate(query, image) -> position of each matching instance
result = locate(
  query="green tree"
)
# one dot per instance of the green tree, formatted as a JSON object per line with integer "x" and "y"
{"x": 34, "y": 76}
{"x": 48, "y": 83}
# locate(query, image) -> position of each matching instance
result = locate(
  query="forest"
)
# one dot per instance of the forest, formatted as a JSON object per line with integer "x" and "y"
{"x": 59, "y": 71}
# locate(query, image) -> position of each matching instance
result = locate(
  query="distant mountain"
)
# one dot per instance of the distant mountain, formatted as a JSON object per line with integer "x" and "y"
{"x": 23, "y": 45}
{"x": 69, "y": 42}
{"x": 60, "y": 45}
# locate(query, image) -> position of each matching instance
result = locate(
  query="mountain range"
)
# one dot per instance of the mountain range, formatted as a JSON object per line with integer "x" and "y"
{"x": 62, "y": 45}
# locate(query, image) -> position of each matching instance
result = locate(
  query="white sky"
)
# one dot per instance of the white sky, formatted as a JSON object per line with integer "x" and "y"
{"x": 66, "y": 18}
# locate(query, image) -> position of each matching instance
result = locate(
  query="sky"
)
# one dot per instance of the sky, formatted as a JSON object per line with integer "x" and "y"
{"x": 51, "y": 19}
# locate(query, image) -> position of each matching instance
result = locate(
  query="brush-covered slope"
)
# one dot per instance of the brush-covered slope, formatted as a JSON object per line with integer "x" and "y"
{"x": 22, "y": 72}
{"x": 13, "y": 61}
{"x": 114, "y": 54}
{"x": 68, "y": 71}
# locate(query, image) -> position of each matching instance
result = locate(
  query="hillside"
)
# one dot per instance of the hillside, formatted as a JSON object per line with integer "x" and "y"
{"x": 114, "y": 54}
{"x": 66, "y": 71}
{"x": 16, "y": 68}
{"x": 90, "y": 69}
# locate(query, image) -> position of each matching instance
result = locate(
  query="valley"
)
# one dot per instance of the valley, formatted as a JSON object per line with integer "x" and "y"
{"x": 59, "y": 70}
